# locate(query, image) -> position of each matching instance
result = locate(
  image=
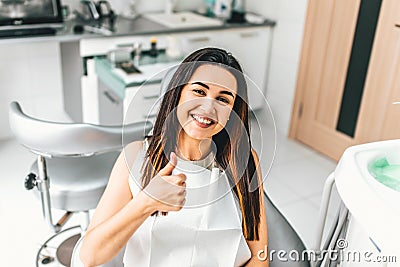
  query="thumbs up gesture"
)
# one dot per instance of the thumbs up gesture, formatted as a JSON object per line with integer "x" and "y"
{"x": 166, "y": 192}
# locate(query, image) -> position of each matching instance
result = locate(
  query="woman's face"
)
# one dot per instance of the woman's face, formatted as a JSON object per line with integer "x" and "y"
{"x": 206, "y": 101}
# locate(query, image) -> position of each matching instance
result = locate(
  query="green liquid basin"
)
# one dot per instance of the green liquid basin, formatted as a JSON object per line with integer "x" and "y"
{"x": 386, "y": 173}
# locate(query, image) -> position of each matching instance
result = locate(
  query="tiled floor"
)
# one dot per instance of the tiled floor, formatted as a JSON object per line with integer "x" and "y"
{"x": 294, "y": 183}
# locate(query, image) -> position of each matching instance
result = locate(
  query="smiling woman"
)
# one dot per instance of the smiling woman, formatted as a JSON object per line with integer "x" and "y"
{"x": 198, "y": 167}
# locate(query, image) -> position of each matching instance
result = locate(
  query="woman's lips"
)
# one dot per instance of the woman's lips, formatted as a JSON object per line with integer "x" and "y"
{"x": 202, "y": 121}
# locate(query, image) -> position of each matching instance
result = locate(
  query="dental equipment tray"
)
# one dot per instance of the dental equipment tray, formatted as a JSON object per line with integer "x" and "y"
{"x": 128, "y": 67}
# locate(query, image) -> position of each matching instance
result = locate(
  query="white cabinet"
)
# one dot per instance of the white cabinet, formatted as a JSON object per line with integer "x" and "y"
{"x": 100, "y": 46}
{"x": 193, "y": 41}
{"x": 110, "y": 105}
{"x": 141, "y": 102}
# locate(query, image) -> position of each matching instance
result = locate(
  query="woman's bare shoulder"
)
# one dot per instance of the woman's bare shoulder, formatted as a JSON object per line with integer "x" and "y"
{"x": 131, "y": 150}
{"x": 134, "y": 146}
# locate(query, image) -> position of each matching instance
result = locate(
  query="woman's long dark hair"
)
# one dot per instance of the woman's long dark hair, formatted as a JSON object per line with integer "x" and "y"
{"x": 230, "y": 148}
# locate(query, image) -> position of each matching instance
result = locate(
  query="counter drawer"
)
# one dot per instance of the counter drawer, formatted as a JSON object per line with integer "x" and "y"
{"x": 141, "y": 102}
{"x": 147, "y": 92}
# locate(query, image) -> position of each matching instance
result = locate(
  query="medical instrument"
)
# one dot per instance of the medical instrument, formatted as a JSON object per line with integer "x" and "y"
{"x": 99, "y": 30}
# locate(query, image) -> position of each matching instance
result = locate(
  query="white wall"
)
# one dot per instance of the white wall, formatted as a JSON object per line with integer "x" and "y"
{"x": 30, "y": 74}
{"x": 286, "y": 48}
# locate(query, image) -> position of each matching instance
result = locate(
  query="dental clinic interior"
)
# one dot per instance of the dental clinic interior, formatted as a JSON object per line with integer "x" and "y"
{"x": 324, "y": 96}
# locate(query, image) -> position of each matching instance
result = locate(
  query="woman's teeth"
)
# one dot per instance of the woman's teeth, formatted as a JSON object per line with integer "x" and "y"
{"x": 202, "y": 120}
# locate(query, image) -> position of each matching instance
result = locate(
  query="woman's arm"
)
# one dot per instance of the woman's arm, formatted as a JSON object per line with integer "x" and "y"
{"x": 259, "y": 247}
{"x": 117, "y": 215}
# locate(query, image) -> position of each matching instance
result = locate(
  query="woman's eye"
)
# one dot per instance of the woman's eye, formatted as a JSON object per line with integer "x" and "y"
{"x": 199, "y": 91}
{"x": 223, "y": 100}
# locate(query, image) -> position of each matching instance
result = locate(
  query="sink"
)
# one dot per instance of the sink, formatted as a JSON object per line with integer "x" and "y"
{"x": 182, "y": 20}
{"x": 378, "y": 166}
{"x": 366, "y": 179}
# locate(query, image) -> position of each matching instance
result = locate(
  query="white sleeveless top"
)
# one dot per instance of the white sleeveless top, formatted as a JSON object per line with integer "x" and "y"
{"x": 203, "y": 233}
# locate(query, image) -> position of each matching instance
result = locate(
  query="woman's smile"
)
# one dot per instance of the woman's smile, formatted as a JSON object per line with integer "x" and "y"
{"x": 202, "y": 121}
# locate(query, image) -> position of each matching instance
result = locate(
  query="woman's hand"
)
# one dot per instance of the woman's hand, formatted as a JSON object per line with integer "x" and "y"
{"x": 166, "y": 192}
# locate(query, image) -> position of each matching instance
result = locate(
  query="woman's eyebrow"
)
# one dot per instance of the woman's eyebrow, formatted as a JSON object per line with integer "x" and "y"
{"x": 201, "y": 84}
{"x": 227, "y": 93}
{"x": 206, "y": 86}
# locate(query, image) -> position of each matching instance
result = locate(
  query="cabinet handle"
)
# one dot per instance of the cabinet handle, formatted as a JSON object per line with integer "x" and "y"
{"x": 397, "y": 25}
{"x": 151, "y": 96}
{"x": 111, "y": 98}
{"x": 199, "y": 39}
{"x": 248, "y": 34}
{"x": 128, "y": 45}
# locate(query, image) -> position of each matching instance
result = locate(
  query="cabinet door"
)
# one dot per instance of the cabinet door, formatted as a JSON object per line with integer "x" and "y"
{"x": 110, "y": 106}
{"x": 251, "y": 48}
{"x": 141, "y": 103}
{"x": 193, "y": 41}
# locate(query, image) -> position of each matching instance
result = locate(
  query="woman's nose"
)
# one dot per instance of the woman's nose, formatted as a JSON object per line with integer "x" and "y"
{"x": 208, "y": 104}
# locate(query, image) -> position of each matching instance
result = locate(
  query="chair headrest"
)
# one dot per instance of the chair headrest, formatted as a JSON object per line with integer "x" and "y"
{"x": 71, "y": 139}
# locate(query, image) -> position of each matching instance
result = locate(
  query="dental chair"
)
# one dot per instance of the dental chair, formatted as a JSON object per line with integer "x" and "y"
{"x": 281, "y": 236}
{"x": 74, "y": 161}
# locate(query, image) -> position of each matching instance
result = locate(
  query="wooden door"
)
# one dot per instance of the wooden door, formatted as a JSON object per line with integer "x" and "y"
{"x": 343, "y": 63}
{"x": 379, "y": 119}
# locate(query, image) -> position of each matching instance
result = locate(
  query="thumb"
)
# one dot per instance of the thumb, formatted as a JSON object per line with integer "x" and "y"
{"x": 167, "y": 170}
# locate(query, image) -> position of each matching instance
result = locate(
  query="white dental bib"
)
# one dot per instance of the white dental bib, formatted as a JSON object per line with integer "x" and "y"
{"x": 203, "y": 233}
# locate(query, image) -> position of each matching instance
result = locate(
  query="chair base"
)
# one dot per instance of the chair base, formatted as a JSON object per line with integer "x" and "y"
{"x": 63, "y": 253}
